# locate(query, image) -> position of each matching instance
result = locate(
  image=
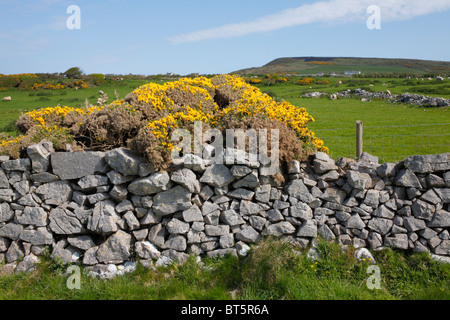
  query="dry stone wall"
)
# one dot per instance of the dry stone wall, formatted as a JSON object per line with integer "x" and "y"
{"x": 108, "y": 209}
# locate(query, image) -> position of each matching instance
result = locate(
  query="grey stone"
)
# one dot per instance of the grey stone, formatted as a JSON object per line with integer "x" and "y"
{"x": 387, "y": 170}
{"x": 355, "y": 222}
{"x": 83, "y": 242}
{"x": 28, "y": 264}
{"x": 441, "y": 219}
{"x": 435, "y": 181}
{"x": 407, "y": 178}
{"x": 248, "y": 235}
{"x": 275, "y": 215}
{"x": 194, "y": 163}
{"x": 146, "y": 250}
{"x": 334, "y": 195}
{"x": 34, "y": 216}
{"x": 412, "y": 224}
{"x": 14, "y": 253}
{"x": 380, "y": 225}
{"x": 4, "y": 244}
{"x": 444, "y": 194}
{"x": 103, "y": 219}
{"x": 399, "y": 241}
{"x": 249, "y": 181}
{"x": 359, "y": 180}
{"x": 55, "y": 193}
{"x": 97, "y": 197}
{"x": 427, "y": 233}
{"x": 4, "y": 183}
{"x": 156, "y": 235}
{"x": 330, "y": 176}
{"x": 428, "y": 163}
{"x": 39, "y": 155}
{"x": 176, "y": 242}
{"x": 118, "y": 178}
{"x": 92, "y": 181}
{"x": 65, "y": 222}
{"x": 231, "y": 218}
{"x": 326, "y": 232}
{"x": 140, "y": 235}
{"x": 131, "y": 221}
{"x": 423, "y": 210}
{"x": 249, "y": 208}
{"x": 363, "y": 253}
{"x": 116, "y": 249}
{"x": 155, "y": 183}
{"x": 368, "y": 157}
{"x": 171, "y": 201}
{"x": 146, "y": 169}
{"x": 6, "y": 214}
{"x": 217, "y": 175}
{"x": 301, "y": 210}
{"x": 372, "y": 198}
{"x": 262, "y": 193}
{"x": 321, "y": 166}
{"x": 123, "y": 161}
{"x": 175, "y": 226}
{"x": 216, "y": 231}
{"x": 308, "y": 229}
{"x": 193, "y": 214}
{"x": 383, "y": 212}
{"x": 11, "y": 230}
{"x": 259, "y": 223}
{"x": 296, "y": 188}
{"x": 279, "y": 229}
{"x": 44, "y": 177}
{"x": 240, "y": 171}
{"x": 124, "y": 206}
{"x": 37, "y": 237}
{"x": 240, "y": 193}
{"x": 226, "y": 241}
{"x": 212, "y": 218}
{"x": 75, "y": 165}
{"x": 187, "y": 179}
{"x": 209, "y": 207}
{"x": 118, "y": 193}
{"x": 294, "y": 167}
{"x": 17, "y": 165}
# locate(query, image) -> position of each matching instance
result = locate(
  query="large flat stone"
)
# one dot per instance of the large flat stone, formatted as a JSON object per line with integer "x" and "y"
{"x": 76, "y": 165}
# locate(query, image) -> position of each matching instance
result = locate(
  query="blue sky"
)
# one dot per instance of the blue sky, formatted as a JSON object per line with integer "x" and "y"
{"x": 205, "y": 36}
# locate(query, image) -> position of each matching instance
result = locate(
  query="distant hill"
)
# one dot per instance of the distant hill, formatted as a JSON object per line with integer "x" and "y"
{"x": 313, "y": 65}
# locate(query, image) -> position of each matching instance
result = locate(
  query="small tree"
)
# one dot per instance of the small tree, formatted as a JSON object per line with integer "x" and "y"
{"x": 73, "y": 73}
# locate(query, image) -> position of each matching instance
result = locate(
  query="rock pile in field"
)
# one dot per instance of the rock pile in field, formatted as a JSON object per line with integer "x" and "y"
{"x": 106, "y": 210}
{"x": 409, "y": 98}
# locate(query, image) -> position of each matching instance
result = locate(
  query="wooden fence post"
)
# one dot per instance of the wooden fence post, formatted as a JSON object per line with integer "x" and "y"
{"x": 359, "y": 139}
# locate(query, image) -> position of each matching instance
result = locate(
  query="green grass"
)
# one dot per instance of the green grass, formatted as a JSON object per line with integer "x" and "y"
{"x": 391, "y": 131}
{"x": 27, "y": 100}
{"x": 272, "y": 271}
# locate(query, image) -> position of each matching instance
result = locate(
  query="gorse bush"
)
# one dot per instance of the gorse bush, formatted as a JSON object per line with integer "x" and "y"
{"x": 145, "y": 120}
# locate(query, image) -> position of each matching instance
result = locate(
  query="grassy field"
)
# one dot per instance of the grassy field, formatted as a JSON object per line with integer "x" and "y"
{"x": 391, "y": 131}
{"x": 273, "y": 271}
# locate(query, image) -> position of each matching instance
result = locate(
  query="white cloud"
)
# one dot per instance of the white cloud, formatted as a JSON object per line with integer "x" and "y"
{"x": 319, "y": 12}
